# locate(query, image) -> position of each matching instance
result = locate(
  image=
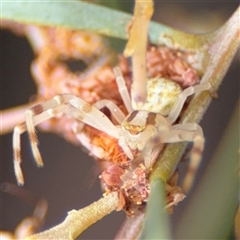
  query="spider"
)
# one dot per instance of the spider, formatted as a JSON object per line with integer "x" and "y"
{"x": 143, "y": 129}
{"x": 153, "y": 107}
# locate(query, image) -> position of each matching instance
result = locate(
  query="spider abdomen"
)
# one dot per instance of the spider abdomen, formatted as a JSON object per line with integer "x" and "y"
{"x": 162, "y": 94}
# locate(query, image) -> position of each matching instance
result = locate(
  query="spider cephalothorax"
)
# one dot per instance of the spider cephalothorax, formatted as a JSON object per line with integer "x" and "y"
{"x": 138, "y": 128}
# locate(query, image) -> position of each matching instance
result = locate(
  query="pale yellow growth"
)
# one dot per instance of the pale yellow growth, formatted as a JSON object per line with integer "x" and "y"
{"x": 136, "y": 48}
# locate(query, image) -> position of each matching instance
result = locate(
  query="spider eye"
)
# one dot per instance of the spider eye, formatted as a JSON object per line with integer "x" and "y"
{"x": 134, "y": 129}
{"x": 136, "y": 122}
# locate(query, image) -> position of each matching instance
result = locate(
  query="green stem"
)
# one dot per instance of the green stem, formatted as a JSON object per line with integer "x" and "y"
{"x": 220, "y": 59}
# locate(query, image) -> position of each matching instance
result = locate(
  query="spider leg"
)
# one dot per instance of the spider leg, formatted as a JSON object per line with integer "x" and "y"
{"x": 92, "y": 116}
{"x": 173, "y": 115}
{"x": 151, "y": 153}
{"x": 189, "y": 132}
{"x": 18, "y": 130}
{"x": 64, "y": 103}
{"x": 113, "y": 108}
{"x": 189, "y": 127}
{"x": 13, "y": 116}
{"x": 122, "y": 143}
{"x": 123, "y": 89}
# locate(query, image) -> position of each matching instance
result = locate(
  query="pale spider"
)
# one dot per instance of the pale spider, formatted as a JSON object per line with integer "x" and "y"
{"x": 153, "y": 107}
{"x": 143, "y": 129}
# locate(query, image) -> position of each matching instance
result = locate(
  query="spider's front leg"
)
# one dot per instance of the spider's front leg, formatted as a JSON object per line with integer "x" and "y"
{"x": 190, "y": 132}
{"x": 68, "y": 104}
{"x": 123, "y": 91}
{"x": 122, "y": 88}
{"x": 173, "y": 115}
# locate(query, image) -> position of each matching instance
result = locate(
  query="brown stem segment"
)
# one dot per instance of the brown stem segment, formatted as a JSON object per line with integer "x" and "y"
{"x": 136, "y": 48}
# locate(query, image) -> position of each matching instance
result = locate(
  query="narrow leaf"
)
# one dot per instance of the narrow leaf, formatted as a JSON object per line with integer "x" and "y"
{"x": 86, "y": 16}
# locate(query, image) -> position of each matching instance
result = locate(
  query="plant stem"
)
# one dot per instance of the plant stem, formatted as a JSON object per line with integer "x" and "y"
{"x": 77, "y": 221}
{"x": 131, "y": 227}
{"x": 220, "y": 59}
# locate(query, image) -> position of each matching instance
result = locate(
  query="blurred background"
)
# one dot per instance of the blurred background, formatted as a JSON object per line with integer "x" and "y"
{"x": 63, "y": 181}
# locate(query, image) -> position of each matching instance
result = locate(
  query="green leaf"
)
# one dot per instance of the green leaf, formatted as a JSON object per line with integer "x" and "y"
{"x": 91, "y": 17}
{"x": 210, "y": 213}
{"x": 72, "y": 14}
{"x": 156, "y": 223}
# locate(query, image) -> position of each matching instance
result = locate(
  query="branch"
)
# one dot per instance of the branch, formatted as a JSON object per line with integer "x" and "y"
{"x": 220, "y": 50}
{"x": 131, "y": 227}
{"x": 222, "y": 46}
{"x": 77, "y": 221}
